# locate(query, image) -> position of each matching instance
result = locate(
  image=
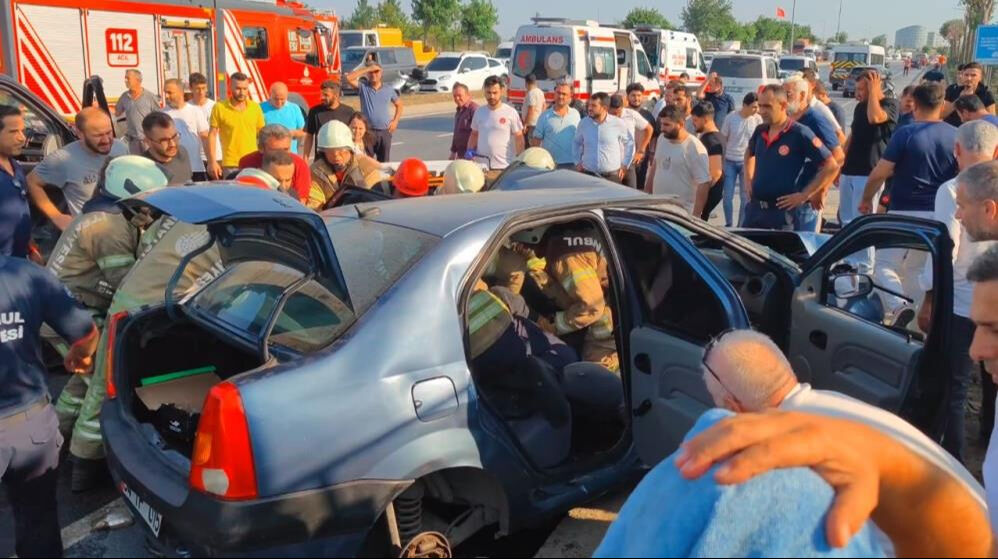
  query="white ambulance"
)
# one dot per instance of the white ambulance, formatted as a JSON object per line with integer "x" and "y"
{"x": 595, "y": 58}
{"x": 673, "y": 53}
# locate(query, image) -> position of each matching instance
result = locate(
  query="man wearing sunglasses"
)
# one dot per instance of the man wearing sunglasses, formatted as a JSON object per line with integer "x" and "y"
{"x": 745, "y": 372}
{"x": 163, "y": 147}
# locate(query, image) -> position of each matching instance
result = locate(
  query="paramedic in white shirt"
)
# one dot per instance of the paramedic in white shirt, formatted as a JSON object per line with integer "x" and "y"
{"x": 976, "y": 142}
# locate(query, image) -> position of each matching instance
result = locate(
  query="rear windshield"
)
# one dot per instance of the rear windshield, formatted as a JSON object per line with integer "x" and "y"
{"x": 348, "y": 40}
{"x": 353, "y": 57}
{"x": 792, "y": 64}
{"x": 547, "y": 62}
{"x": 727, "y": 67}
{"x": 504, "y": 52}
{"x": 851, "y": 57}
{"x": 444, "y": 64}
{"x": 372, "y": 256}
{"x": 855, "y": 72}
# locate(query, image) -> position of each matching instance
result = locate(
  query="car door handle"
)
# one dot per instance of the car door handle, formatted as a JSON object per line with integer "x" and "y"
{"x": 819, "y": 339}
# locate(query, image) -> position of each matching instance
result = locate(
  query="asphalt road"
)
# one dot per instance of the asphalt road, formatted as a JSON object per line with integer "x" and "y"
{"x": 427, "y": 137}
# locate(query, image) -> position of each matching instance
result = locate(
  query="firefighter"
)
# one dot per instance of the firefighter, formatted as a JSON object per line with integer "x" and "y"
{"x": 411, "y": 179}
{"x": 462, "y": 176}
{"x": 339, "y": 165}
{"x": 258, "y": 178}
{"x": 572, "y": 271}
{"x": 96, "y": 251}
{"x": 163, "y": 245}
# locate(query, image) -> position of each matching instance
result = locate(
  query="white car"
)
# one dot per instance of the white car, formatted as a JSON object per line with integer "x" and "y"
{"x": 469, "y": 68}
{"x": 504, "y": 52}
{"x": 743, "y": 73}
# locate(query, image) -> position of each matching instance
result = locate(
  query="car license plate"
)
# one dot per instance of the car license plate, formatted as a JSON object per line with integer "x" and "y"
{"x": 152, "y": 518}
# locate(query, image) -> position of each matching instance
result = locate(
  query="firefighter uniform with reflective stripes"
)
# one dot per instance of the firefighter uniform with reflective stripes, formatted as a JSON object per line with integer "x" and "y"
{"x": 161, "y": 249}
{"x": 92, "y": 256}
{"x": 362, "y": 172}
{"x": 575, "y": 277}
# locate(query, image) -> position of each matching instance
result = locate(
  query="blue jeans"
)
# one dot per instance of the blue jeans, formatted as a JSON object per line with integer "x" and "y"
{"x": 758, "y": 215}
{"x": 733, "y": 170}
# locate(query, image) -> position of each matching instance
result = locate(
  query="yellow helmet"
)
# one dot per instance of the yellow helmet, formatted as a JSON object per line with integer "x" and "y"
{"x": 537, "y": 158}
{"x": 334, "y": 134}
{"x": 462, "y": 176}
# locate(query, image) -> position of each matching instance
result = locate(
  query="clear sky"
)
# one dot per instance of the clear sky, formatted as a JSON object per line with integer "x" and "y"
{"x": 860, "y": 18}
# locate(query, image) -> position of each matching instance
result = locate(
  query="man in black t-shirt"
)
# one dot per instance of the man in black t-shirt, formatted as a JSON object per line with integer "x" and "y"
{"x": 874, "y": 120}
{"x": 703, "y": 119}
{"x": 329, "y": 109}
{"x": 968, "y": 83}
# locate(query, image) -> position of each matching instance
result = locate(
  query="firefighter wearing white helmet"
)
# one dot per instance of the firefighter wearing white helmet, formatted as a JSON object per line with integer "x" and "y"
{"x": 536, "y": 158}
{"x": 338, "y": 165}
{"x": 257, "y": 177}
{"x": 96, "y": 251}
{"x": 462, "y": 176}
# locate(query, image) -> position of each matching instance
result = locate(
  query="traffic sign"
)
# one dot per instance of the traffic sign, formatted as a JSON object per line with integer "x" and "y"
{"x": 986, "y": 50}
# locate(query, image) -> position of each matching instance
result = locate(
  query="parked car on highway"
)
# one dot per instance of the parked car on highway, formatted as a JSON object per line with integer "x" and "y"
{"x": 469, "y": 68}
{"x": 397, "y": 63}
{"x": 342, "y": 410}
{"x": 792, "y": 64}
{"x": 886, "y": 83}
{"x": 743, "y": 73}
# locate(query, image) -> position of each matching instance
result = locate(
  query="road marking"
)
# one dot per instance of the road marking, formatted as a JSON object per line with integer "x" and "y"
{"x": 79, "y": 530}
{"x": 397, "y": 143}
{"x": 447, "y": 135}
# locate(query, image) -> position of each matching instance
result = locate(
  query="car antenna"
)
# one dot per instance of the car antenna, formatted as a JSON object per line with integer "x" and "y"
{"x": 373, "y": 211}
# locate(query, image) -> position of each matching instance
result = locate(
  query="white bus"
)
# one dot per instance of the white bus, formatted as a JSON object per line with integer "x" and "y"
{"x": 847, "y": 57}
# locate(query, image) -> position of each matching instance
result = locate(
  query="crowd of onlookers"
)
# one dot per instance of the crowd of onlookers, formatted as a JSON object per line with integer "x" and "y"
{"x": 931, "y": 154}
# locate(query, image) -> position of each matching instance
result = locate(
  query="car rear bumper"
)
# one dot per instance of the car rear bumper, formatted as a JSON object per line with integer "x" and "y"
{"x": 337, "y": 517}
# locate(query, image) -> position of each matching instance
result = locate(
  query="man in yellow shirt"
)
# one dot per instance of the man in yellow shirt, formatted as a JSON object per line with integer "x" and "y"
{"x": 237, "y": 121}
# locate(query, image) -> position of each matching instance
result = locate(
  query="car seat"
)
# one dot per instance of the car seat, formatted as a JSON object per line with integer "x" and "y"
{"x": 545, "y": 434}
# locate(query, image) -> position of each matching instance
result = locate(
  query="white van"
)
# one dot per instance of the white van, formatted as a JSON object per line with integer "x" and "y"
{"x": 596, "y": 59}
{"x": 847, "y": 57}
{"x": 744, "y": 73}
{"x": 673, "y": 53}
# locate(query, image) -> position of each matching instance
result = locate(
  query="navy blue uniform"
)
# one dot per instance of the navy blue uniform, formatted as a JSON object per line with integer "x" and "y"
{"x": 922, "y": 154}
{"x": 15, "y": 216}
{"x": 779, "y": 161}
{"x": 29, "y": 433}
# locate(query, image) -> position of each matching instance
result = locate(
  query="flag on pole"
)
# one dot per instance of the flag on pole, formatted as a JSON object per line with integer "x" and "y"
{"x": 781, "y": 13}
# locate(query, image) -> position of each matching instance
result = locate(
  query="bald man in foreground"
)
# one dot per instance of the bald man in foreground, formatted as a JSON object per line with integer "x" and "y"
{"x": 277, "y": 110}
{"x": 746, "y": 372}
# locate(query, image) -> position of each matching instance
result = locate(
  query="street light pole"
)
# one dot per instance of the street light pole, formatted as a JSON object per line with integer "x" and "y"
{"x": 793, "y": 20}
{"x": 838, "y": 26}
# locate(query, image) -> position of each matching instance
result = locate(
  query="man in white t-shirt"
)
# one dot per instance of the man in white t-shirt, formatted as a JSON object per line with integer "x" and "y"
{"x": 976, "y": 142}
{"x": 200, "y": 99}
{"x": 746, "y": 372}
{"x": 496, "y": 130}
{"x": 643, "y": 132}
{"x": 533, "y": 105}
{"x": 737, "y": 130}
{"x": 681, "y": 166}
{"x": 192, "y": 125}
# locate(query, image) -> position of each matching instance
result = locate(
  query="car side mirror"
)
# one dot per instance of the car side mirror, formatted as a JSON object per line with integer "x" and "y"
{"x": 851, "y": 285}
{"x": 465, "y": 70}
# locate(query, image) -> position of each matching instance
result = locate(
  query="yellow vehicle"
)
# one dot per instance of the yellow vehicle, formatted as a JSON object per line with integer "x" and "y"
{"x": 383, "y": 36}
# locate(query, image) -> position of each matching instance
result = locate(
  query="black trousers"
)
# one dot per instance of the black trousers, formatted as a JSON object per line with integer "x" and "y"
{"x": 29, "y": 456}
{"x": 382, "y": 145}
{"x": 960, "y": 369}
{"x": 714, "y": 197}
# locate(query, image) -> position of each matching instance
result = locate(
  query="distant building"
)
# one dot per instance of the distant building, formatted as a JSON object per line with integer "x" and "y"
{"x": 912, "y": 37}
{"x": 935, "y": 40}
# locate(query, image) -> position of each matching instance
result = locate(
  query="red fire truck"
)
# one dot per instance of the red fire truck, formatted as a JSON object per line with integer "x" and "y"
{"x": 51, "y": 46}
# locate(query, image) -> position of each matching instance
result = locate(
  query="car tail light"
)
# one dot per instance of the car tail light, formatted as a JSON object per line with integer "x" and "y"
{"x": 222, "y": 462}
{"x": 112, "y": 336}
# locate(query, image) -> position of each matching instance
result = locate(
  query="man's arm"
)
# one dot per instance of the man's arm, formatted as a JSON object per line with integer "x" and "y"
{"x": 646, "y": 137}
{"x": 749, "y": 171}
{"x": 578, "y": 147}
{"x": 627, "y": 151}
{"x": 309, "y": 141}
{"x": 353, "y": 78}
{"x": 473, "y": 141}
{"x": 923, "y": 510}
{"x": 650, "y": 178}
{"x": 700, "y": 200}
{"x": 826, "y": 174}
{"x": 214, "y": 169}
{"x": 36, "y": 189}
{"x": 883, "y": 171}
{"x": 394, "y": 124}
{"x": 875, "y": 114}
{"x": 519, "y": 141}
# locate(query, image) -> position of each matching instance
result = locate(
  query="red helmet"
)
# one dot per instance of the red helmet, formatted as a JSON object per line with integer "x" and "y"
{"x": 412, "y": 178}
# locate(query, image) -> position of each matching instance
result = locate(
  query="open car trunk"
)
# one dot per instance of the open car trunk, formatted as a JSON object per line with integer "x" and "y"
{"x": 169, "y": 365}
